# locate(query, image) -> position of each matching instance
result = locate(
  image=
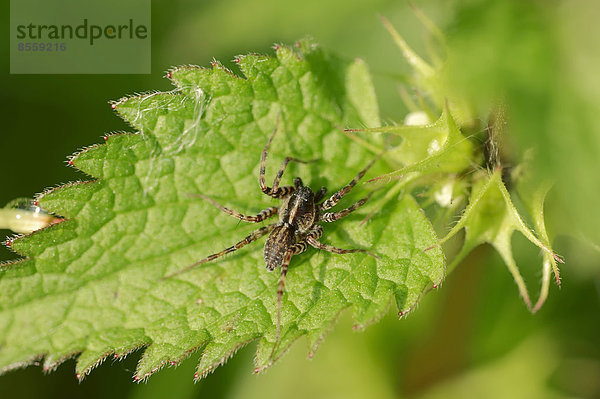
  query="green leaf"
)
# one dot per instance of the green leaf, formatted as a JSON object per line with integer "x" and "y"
{"x": 93, "y": 284}
{"x": 429, "y": 79}
{"x": 532, "y": 194}
{"x": 439, "y": 157}
{"x": 436, "y": 148}
{"x": 491, "y": 217}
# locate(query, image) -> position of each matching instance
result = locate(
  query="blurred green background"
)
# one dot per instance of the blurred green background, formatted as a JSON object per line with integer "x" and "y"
{"x": 473, "y": 337}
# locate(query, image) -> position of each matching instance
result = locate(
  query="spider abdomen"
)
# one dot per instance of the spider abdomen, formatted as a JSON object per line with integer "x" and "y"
{"x": 279, "y": 241}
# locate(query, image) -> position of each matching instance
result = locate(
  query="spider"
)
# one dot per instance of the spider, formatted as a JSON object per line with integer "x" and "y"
{"x": 297, "y": 228}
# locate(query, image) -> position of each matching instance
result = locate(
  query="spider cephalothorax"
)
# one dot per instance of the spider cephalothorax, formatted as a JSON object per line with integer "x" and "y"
{"x": 300, "y": 211}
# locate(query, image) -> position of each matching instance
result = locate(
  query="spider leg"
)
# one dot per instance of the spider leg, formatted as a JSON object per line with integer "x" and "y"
{"x": 295, "y": 249}
{"x": 255, "y": 235}
{"x": 333, "y": 216}
{"x": 335, "y": 198}
{"x": 317, "y": 231}
{"x": 320, "y": 194}
{"x": 262, "y": 215}
{"x": 282, "y": 170}
{"x": 275, "y": 191}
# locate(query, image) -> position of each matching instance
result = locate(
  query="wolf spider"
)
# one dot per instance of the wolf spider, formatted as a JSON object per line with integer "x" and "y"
{"x": 297, "y": 228}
